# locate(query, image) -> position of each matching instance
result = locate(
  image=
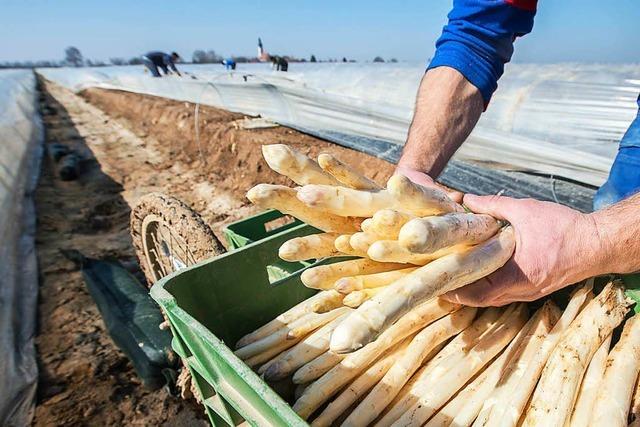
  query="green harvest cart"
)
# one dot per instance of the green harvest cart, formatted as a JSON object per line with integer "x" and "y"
{"x": 212, "y": 304}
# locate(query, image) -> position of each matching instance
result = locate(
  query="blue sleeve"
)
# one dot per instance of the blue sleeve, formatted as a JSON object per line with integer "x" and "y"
{"x": 478, "y": 39}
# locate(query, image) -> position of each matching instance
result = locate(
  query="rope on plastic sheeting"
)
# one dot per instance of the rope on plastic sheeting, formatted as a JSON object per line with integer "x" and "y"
{"x": 210, "y": 82}
{"x": 553, "y": 188}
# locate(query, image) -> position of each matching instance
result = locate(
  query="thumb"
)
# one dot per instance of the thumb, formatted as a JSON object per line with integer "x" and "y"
{"x": 496, "y": 206}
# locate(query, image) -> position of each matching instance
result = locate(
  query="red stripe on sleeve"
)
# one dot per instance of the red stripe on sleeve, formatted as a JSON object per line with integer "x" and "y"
{"x": 529, "y": 5}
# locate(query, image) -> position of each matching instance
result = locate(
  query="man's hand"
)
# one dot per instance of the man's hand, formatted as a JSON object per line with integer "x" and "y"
{"x": 555, "y": 246}
{"x": 426, "y": 181}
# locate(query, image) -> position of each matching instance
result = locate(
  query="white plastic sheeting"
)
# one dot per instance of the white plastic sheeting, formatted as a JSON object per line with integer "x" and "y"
{"x": 20, "y": 152}
{"x": 561, "y": 119}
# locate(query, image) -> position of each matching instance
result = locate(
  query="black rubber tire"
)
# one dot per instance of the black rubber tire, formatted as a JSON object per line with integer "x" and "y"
{"x": 181, "y": 221}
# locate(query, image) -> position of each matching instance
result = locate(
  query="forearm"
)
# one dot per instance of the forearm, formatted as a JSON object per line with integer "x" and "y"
{"x": 447, "y": 108}
{"x": 618, "y": 231}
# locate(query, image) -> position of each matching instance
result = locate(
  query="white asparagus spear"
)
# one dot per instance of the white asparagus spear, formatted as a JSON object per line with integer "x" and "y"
{"x": 295, "y": 165}
{"x": 359, "y": 387}
{"x": 616, "y": 389}
{"x": 361, "y": 241}
{"x": 430, "y": 234}
{"x": 434, "y": 279}
{"x": 349, "y": 284}
{"x": 309, "y": 247}
{"x": 581, "y": 416}
{"x": 416, "y": 199}
{"x": 366, "y": 225}
{"x": 391, "y": 251}
{"x": 433, "y": 398}
{"x": 540, "y": 324}
{"x": 317, "y": 367}
{"x": 300, "y": 388}
{"x": 319, "y": 303}
{"x": 451, "y": 355}
{"x": 410, "y": 361}
{"x": 325, "y": 276}
{"x": 296, "y": 329}
{"x": 270, "y": 352}
{"x": 555, "y": 394}
{"x": 345, "y": 174}
{"x": 415, "y": 377}
{"x": 345, "y": 201}
{"x": 405, "y": 197}
{"x": 465, "y": 407}
{"x": 305, "y": 351}
{"x": 356, "y": 298}
{"x": 342, "y": 243}
{"x": 634, "y": 415}
{"x": 284, "y": 199}
{"x": 387, "y": 223}
{"x": 521, "y": 393}
{"x": 331, "y": 382}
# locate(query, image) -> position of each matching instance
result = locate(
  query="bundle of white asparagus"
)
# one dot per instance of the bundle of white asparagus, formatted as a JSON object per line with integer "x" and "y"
{"x": 376, "y": 346}
{"x": 412, "y": 243}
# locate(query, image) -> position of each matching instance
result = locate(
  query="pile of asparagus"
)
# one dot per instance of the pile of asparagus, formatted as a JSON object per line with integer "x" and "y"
{"x": 376, "y": 346}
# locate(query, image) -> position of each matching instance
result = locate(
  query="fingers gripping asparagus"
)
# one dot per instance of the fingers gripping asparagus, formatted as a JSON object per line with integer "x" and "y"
{"x": 439, "y": 276}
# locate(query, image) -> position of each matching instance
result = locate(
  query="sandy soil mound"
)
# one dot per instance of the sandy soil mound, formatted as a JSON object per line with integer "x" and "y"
{"x": 137, "y": 145}
{"x": 233, "y": 159}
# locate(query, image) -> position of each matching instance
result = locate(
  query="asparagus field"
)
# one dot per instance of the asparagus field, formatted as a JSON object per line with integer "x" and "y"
{"x": 378, "y": 346}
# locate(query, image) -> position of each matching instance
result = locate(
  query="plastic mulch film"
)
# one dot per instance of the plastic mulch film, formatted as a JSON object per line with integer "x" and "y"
{"x": 559, "y": 119}
{"x": 21, "y": 137}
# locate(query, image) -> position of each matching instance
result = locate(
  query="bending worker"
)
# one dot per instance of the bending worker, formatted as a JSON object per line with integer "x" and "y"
{"x": 155, "y": 60}
{"x": 555, "y": 246}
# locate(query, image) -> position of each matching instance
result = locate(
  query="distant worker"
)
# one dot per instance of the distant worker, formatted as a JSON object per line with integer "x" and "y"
{"x": 155, "y": 60}
{"x": 229, "y": 64}
{"x": 280, "y": 63}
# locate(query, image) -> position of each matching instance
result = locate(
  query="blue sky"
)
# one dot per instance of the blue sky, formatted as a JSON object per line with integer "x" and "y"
{"x": 565, "y": 30}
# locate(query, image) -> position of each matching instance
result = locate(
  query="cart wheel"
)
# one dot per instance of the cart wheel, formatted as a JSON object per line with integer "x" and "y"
{"x": 168, "y": 236}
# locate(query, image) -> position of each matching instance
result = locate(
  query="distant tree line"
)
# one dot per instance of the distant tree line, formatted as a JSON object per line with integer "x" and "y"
{"x": 74, "y": 58}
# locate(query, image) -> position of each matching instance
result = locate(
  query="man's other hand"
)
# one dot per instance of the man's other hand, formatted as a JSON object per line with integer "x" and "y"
{"x": 555, "y": 247}
{"x": 426, "y": 181}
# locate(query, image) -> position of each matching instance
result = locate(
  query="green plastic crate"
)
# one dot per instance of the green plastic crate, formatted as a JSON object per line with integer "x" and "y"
{"x": 261, "y": 226}
{"x": 255, "y": 228}
{"x": 214, "y": 303}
